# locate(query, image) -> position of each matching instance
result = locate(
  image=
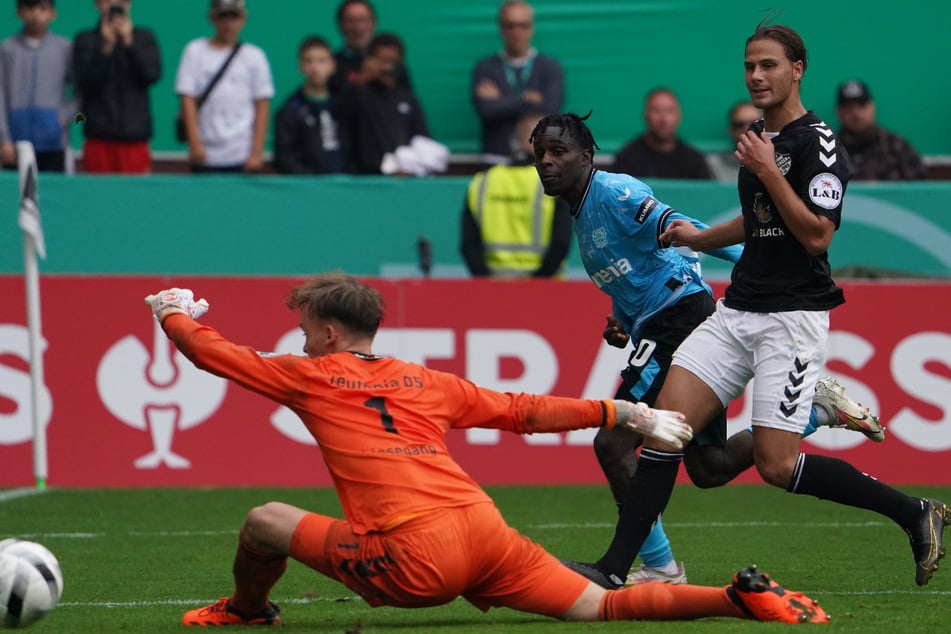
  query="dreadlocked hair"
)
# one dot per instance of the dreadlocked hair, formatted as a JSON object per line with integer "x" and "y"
{"x": 571, "y": 125}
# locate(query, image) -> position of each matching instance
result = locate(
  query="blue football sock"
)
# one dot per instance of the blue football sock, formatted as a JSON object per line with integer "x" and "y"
{"x": 656, "y": 551}
{"x": 813, "y": 423}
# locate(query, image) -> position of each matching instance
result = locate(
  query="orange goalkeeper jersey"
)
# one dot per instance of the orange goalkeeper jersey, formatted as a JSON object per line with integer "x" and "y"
{"x": 381, "y": 423}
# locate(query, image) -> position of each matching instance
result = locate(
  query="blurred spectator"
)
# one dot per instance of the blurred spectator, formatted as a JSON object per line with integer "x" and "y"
{"x": 510, "y": 227}
{"x": 380, "y": 115}
{"x": 724, "y": 165}
{"x": 659, "y": 152}
{"x": 306, "y": 132}
{"x": 877, "y": 154}
{"x": 512, "y": 82}
{"x": 227, "y": 133}
{"x": 35, "y": 72}
{"x": 356, "y": 21}
{"x": 114, "y": 65}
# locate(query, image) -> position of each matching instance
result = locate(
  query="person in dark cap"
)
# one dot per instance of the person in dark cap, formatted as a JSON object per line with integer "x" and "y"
{"x": 236, "y": 7}
{"x": 878, "y": 154}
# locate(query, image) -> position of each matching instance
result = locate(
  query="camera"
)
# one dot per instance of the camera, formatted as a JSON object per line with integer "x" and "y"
{"x": 394, "y": 69}
{"x": 116, "y": 10}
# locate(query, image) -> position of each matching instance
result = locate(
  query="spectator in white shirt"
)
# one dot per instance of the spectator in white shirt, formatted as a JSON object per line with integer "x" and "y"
{"x": 226, "y": 131}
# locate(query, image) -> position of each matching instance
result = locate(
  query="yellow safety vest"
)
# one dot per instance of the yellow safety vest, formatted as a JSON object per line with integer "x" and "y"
{"x": 514, "y": 216}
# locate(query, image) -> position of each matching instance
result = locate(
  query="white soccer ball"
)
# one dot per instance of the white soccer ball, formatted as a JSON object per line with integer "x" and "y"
{"x": 31, "y": 582}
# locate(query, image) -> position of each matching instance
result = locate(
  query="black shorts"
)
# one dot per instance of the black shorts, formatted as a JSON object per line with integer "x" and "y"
{"x": 653, "y": 351}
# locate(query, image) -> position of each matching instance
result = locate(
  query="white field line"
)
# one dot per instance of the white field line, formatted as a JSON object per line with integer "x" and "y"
{"x": 308, "y": 601}
{"x": 873, "y": 524}
{"x": 529, "y": 527}
{"x": 195, "y": 602}
{"x": 13, "y": 494}
{"x": 148, "y": 534}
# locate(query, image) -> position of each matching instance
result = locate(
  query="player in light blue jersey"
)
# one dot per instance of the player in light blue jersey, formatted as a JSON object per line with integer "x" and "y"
{"x": 617, "y": 222}
{"x": 658, "y": 297}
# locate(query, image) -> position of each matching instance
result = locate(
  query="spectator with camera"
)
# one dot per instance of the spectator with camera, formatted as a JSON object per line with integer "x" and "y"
{"x": 356, "y": 21}
{"x": 381, "y": 115}
{"x": 114, "y": 65}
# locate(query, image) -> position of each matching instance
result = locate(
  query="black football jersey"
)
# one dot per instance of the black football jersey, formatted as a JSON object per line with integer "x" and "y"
{"x": 775, "y": 272}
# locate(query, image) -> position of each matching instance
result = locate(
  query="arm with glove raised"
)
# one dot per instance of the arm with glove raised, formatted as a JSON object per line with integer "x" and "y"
{"x": 275, "y": 377}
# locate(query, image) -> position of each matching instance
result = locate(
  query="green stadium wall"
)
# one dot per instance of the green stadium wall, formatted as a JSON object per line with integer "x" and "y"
{"x": 287, "y": 226}
{"x": 613, "y": 51}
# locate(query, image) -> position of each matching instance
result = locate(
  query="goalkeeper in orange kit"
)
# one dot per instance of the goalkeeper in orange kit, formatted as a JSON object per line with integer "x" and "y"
{"x": 417, "y": 530}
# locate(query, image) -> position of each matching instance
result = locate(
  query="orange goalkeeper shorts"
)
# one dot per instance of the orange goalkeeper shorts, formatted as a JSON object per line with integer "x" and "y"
{"x": 430, "y": 560}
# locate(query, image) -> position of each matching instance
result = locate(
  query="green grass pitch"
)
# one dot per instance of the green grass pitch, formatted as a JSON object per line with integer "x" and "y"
{"x": 135, "y": 559}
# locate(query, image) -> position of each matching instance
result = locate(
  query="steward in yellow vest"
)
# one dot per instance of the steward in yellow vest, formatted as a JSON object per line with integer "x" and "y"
{"x": 510, "y": 228}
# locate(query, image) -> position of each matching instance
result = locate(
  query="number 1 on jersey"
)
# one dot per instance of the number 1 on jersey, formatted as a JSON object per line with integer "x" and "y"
{"x": 377, "y": 403}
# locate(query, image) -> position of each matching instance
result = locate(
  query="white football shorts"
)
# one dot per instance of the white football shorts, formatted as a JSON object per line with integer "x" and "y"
{"x": 785, "y": 351}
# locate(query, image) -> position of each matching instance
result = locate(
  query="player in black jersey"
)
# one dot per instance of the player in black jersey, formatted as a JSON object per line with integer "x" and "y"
{"x": 774, "y": 319}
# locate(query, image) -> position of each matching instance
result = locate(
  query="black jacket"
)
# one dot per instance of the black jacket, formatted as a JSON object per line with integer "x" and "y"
{"x": 374, "y": 120}
{"x": 298, "y": 139}
{"x": 114, "y": 89}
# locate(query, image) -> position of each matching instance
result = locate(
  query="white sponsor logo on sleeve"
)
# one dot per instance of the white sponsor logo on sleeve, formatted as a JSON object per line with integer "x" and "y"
{"x": 825, "y": 190}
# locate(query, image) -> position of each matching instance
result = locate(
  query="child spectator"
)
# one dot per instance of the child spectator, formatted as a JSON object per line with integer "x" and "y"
{"x": 306, "y": 136}
{"x": 114, "y": 64}
{"x": 34, "y": 85}
{"x": 226, "y": 130}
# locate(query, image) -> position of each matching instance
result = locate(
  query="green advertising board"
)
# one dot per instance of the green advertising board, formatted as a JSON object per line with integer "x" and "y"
{"x": 273, "y": 225}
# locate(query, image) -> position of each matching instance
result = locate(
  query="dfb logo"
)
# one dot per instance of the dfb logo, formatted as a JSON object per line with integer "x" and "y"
{"x": 158, "y": 392}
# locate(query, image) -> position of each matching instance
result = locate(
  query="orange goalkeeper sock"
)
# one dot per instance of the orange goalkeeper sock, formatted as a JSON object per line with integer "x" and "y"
{"x": 667, "y": 602}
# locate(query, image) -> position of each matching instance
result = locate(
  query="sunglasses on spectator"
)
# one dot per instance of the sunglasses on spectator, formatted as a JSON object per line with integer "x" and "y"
{"x": 740, "y": 125}
{"x": 516, "y": 25}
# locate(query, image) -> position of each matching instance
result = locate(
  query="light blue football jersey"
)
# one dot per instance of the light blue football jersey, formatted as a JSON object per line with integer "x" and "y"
{"x": 617, "y": 225}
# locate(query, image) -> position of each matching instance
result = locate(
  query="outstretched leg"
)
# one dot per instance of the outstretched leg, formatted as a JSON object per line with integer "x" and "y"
{"x": 751, "y": 595}
{"x": 922, "y": 519}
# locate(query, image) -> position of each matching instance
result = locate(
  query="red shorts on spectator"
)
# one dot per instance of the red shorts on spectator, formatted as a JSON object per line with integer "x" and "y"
{"x": 118, "y": 157}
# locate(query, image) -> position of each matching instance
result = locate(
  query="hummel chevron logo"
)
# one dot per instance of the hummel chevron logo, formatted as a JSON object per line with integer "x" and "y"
{"x": 827, "y": 144}
{"x": 796, "y": 378}
{"x": 627, "y": 194}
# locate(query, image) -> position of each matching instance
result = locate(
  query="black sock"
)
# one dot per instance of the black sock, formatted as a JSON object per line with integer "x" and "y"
{"x": 836, "y": 480}
{"x": 646, "y": 499}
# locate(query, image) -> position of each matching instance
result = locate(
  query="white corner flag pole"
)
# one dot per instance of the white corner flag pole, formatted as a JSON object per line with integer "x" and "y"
{"x": 33, "y": 245}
